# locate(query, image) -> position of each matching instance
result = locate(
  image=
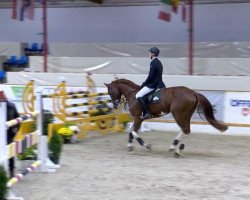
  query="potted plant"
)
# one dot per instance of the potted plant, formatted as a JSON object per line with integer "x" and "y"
{"x": 55, "y": 147}
{"x": 48, "y": 118}
{"x": 3, "y": 183}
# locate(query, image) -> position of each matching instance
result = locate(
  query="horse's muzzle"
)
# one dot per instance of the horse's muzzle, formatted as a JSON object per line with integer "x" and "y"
{"x": 116, "y": 104}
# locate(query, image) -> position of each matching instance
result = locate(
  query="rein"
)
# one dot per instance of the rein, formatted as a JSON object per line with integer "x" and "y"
{"x": 130, "y": 102}
{"x": 115, "y": 102}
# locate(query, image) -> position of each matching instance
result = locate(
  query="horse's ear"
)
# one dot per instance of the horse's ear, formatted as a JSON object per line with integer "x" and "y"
{"x": 107, "y": 84}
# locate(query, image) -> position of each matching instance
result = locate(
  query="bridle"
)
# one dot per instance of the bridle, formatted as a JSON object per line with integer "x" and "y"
{"x": 115, "y": 102}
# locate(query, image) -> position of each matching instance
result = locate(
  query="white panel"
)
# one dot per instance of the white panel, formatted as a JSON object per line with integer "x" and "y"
{"x": 224, "y": 83}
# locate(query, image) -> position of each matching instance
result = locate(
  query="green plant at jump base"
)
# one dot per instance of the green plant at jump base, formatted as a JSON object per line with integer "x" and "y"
{"x": 28, "y": 154}
{"x": 48, "y": 118}
{"x": 55, "y": 147}
{"x": 3, "y": 183}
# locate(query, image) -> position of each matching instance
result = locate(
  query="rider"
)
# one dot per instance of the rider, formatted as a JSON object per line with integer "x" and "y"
{"x": 12, "y": 131}
{"x": 153, "y": 81}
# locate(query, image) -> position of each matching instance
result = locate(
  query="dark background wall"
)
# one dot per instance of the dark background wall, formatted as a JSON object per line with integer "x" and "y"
{"x": 213, "y": 22}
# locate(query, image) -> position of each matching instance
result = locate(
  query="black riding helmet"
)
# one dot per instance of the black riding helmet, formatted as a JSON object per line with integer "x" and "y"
{"x": 155, "y": 51}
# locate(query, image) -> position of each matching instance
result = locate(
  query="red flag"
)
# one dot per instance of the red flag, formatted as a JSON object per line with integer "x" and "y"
{"x": 27, "y": 9}
{"x": 23, "y": 9}
{"x": 164, "y": 16}
{"x": 166, "y": 9}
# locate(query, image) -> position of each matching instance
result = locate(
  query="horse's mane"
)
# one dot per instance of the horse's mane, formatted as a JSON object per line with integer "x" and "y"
{"x": 127, "y": 82}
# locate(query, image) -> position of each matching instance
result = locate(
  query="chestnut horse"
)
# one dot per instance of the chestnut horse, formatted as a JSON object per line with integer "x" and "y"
{"x": 180, "y": 101}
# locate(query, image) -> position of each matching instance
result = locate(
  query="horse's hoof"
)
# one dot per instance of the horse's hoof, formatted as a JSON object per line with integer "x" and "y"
{"x": 149, "y": 146}
{"x": 177, "y": 155}
{"x": 130, "y": 148}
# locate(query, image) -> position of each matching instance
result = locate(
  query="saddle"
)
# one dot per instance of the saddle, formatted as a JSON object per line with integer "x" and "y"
{"x": 153, "y": 97}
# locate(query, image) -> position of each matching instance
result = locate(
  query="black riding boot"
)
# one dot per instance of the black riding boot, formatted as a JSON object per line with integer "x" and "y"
{"x": 146, "y": 113}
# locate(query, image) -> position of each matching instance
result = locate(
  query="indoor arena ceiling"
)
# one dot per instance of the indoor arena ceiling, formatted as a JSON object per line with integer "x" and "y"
{"x": 82, "y": 3}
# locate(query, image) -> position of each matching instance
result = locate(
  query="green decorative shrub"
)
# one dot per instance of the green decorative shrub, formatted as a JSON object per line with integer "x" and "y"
{"x": 28, "y": 154}
{"x": 3, "y": 183}
{"x": 55, "y": 147}
{"x": 48, "y": 118}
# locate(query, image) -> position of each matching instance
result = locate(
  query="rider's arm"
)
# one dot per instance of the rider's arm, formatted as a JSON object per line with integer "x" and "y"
{"x": 150, "y": 77}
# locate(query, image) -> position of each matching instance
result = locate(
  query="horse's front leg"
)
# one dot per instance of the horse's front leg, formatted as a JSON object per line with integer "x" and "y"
{"x": 135, "y": 134}
{"x": 130, "y": 137}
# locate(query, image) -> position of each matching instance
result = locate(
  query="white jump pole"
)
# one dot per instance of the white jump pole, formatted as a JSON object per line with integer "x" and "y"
{"x": 3, "y": 136}
{"x": 46, "y": 164}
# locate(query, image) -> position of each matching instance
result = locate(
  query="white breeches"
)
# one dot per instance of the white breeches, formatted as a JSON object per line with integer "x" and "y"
{"x": 145, "y": 90}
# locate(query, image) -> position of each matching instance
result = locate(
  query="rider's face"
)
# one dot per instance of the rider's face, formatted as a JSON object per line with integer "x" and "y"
{"x": 151, "y": 56}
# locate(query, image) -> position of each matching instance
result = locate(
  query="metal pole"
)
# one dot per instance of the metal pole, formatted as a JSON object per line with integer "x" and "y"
{"x": 45, "y": 48}
{"x": 190, "y": 41}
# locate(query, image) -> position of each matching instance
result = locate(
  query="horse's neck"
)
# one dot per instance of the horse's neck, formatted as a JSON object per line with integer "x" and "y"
{"x": 127, "y": 91}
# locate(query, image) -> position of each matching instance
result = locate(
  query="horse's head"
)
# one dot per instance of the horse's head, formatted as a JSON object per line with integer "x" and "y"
{"x": 114, "y": 94}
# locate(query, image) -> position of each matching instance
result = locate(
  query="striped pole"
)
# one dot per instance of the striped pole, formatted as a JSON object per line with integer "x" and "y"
{"x": 18, "y": 120}
{"x": 71, "y": 114}
{"x": 19, "y": 146}
{"x": 21, "y": 175}
{"x": 87, "y": 103}
{"x": 79, "y": 96}
{"x": 67, "y": 93}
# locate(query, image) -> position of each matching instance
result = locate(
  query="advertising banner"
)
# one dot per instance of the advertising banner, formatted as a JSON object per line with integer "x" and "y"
{"x": 237, "y": 107}
{"x": 216, "y": 98}
{"x": 14, "y": 93}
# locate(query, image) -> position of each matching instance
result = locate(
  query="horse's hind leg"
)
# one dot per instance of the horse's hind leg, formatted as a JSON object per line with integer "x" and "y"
{"x": 176, "y": 141}
{"x": 135, "y": 134}
{"x": 184, "y": 123}
{"x": 181, "y": 147}
{"x": 182, "y": 115}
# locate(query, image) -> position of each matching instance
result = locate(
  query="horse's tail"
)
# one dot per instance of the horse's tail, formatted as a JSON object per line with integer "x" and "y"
{"x": 208, "y": 112}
